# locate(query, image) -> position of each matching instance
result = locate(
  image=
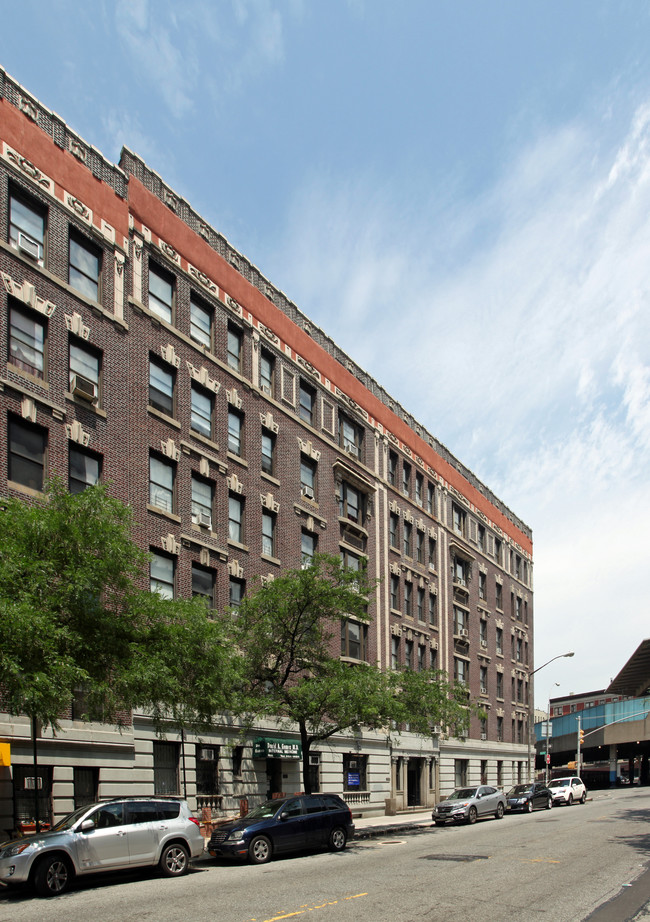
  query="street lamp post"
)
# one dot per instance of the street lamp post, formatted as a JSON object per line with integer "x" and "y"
{"x": 530, "y": 724}
{"x": 548, "y": 727}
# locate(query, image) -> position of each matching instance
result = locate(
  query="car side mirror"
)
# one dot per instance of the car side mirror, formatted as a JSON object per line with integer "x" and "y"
{"x": 283, "y": 816}
{"x": 87, "y": 826}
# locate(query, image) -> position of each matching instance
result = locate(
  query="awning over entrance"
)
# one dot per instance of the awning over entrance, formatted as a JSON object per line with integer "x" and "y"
{"x": 269, "y": 747}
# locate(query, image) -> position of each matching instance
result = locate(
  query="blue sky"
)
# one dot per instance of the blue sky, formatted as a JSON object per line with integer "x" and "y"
{"x": 458, "y": 193}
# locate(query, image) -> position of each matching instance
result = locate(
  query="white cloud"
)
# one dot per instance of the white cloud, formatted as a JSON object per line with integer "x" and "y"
{"x": 517, "y": 329}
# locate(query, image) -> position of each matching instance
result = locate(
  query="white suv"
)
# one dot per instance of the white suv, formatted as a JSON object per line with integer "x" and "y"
{"x": 126, "y": 832}
{"x": 567, "y": 790}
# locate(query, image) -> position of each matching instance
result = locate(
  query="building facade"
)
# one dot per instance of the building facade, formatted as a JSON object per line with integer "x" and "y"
{"x": 140, "y": 348}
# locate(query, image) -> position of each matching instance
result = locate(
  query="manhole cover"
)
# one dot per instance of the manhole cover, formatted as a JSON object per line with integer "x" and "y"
{"x": 455, "y": 857}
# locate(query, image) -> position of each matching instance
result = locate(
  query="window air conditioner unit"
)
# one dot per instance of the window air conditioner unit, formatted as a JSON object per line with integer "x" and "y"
{"x": 84, "y": 388}
{"x": 206, "y": 755}
{"x": 266, "y": 389}
{"x": 483, "y": 690}
{"x": 28, "y": 246}
{"x": 307, "y": 492}
{"x": 436, "y": 729}
{"x": 351, "y": 450}
{"x": 205, "y": 519}
{"x": 483, "y": 736}
{"x": 314, "y": 758}
{"x": 484, "y": 644}
{"x": 463, "y": 632}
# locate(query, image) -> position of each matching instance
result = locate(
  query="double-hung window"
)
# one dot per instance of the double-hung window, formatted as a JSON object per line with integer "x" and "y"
{"x": 236, "y": 518}
{"x": 202, "y": 502}
{"x": 235, "y": 432}
{"x": 408, "y": 539}
{"x": 161, "y": 483}
{"x": 308, "y": 545}
{"x": 203, "y": 584}
{"x": 408, "y": 599}
{"x": 234, "y": 348}
{"x": 307, "y": 477}
{"x": 351, "y": 503}
{"x": 200, "y": 324}
{"x": 307, "y": 403}
{"x": 27, "y": 340}
{"x": 26, "y": 454}
{"x": 162, "y": 575}
{"x": 268, "y": 534}
{"x": 268, "y": 452}
{"x": 394, "y": 592}
{"x": 161, "y": 293}
{"x": 84, "y": 269}
{"x": 84, "y": 372}
{"x": 84, "y": 470}
{"x": 354, "y": 638}
{"x": 350, "y": 436}
{"x": 27, "y": 225}
{"x": 201, "y": 411}
{"x": 161, "y": 387}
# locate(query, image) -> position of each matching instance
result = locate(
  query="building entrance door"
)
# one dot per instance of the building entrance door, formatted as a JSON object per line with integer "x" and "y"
{"x": 273, "y": 777}
{"x": 414, "y": 783}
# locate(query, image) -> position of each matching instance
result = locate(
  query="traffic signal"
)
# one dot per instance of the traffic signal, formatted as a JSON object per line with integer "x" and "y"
{"x": 581, "y": 734}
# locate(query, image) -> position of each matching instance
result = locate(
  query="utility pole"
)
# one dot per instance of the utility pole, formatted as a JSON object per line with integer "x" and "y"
{"x": 578, "y": 742}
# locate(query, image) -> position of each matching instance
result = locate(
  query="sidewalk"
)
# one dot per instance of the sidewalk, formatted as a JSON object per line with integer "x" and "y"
{"x": 370, "y": 826}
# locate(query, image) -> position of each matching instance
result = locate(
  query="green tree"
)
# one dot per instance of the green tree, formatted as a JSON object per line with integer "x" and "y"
{"x": 289, "y": 633}
{"x": 73, "y": 616}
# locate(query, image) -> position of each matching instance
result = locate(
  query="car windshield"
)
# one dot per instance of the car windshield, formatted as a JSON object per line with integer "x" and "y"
{"x": 521, "y": 789}
{"x": 559, "y": 783}
{"x": 68, "y": 821}
{"x": 264, "y": 811}
{"x": 463, "y": 794}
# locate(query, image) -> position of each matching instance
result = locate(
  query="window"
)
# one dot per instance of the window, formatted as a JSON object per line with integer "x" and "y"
{"x": 419, "y": 546}
{"x": 85, "y": 784}
{"x": 482, "y": 586}
{"x": 497, "y": 549}
{"x": 432, "y": 553}
{"x": 26, "y": 454}
{"x": 499, "y": 740}
{"x": 420, "y": 598}
{"x": 407, "y": 539}
{"x": 161, "y": 293}
{"x": 517, "y": 566}
{"x": 85, "y": 266}
{"x": 161, "y": 483}
{"x": 392, "y": 468}
{"x": 350, "y": 436}
{"x": 499, "y": 596}
{"x": 203, "y": 584}
{"x": 307, "y": 477}
{"x": 207, "y": 772}
{"x": 461, "y": 571}
{"x": 499, "y": 640}
{"x": 236, "y": 519}
{"x": 394, "y": 528}
{"x": 268, "y": 452}
{"x": 202, "y": 411}
{"x": 408, "y": 654}
{"x": 482, "y": 627}
{"x": 394, "y": 652}
{"x": 200, "y": 324}
{"x": 461, "y": 670}
{"x": 354, "y": 638}
{"x": 433, "y": 658}
{"x": 267, "y": 370}
{"x": 422, "y": 665}
{"x": 308, "y": 545}
{"x": 408, "y": 599}
{"x": 499, "y": 685}
{"x": 460, "y": 621}
{"x": 431, "y": 499}
{"x": 483, "y": 679}
{"x": 84, "y": 470}
{"x": 307, "y": 403}
{"x": 237, "y": 589}
{"x": 519, "y": 649}
{"x": 351, "y": 503}
{"x": 352, "y": 561}
{"x": 161, "y": 388}
{"x": 84, "y": 372}
{"x": 165, "y": 768}
{"x": 458, "y": 519}
{"x": 202, "y": 502}
{"x": 433, "y": 611}
{"x": 481, "y": 537}
{"x": 354, "y": 771}
{"x": 237, "y": 761}
{"x": 27, "y": 339}
{"x": 162, "y": 575}
{"x": 234, "y": 348}
{"x": 461, "y": 772}
{"x": 419, "y": 486}
{"x": 406, "y": 479}
{"x": 520, "y": 691}
{"x": 235, "y": 432}
{"x": 27, "y": 223}
{"x": 268, "y": 534}
{"x": 394, "y": 591}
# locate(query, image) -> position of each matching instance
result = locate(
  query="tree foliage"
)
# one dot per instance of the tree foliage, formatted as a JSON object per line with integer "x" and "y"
{"x": 73, "y": 616}
{"x": 289, "y": 633}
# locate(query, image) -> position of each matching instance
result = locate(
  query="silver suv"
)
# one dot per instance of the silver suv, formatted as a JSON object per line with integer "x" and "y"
{"x": 118, "y": 834}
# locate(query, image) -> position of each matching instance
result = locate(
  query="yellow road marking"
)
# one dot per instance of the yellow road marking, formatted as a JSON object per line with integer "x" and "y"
{"x": 305, "y": 908}
{"x": 540, "y": 860}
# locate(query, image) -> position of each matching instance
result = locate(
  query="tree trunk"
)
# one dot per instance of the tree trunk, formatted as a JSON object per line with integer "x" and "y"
{"x": 305, "y": 739}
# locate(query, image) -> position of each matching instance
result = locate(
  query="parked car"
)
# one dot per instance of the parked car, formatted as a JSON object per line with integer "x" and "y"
{"x": 115, "y": 835}
{"x": 529, "y": 797}
{"x": 468, "y": 804}
{"x": 568, "y": 790}
{"x": 283, "y": 825}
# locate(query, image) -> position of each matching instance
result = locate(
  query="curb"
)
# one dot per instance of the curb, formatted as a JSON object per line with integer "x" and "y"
{"x": 372, "y": 832}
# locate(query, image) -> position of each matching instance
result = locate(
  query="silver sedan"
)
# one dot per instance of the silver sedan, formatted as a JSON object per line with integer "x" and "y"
{"x": 469, "y": 804}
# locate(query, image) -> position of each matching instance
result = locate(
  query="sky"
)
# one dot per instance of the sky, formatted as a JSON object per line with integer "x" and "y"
{"x": 459, "y": 195}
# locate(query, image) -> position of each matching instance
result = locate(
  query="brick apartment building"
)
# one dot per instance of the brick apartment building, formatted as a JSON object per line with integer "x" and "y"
{"x": 138, "y": 347}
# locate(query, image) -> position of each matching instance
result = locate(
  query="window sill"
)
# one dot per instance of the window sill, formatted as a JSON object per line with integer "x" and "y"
{"x": 80, "y": 402}
{"x": 28, "y": 376}
{"x": 20, "y": 488}
{"x": 236, "y": 458}
{"x": 270, "y": 478}
{"x": 163, "y": 417}
{"x": 270, "y": 559}
{"x": 238, "y": 544}
{"x": 163, "y": 513}
{"x": 204, "y": 438}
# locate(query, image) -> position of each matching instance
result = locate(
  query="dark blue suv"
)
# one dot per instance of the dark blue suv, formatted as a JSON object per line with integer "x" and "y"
{"x": 284, "y": 825}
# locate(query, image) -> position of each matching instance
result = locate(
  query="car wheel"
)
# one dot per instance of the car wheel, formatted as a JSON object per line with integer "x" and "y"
{"x": 338, "y": 838}
{"x": 52, "y": 876}
{"x": 584, "y": 797}
{"x": 439, "y": 822}
{"x": 259, "y": 851}
{"x": 472, "y": 816}
{"x": 175, "y": 860}
{"x": 529, "y": 807}
{"x": 549, "y": 803}
{"x": 499, "y": 813}
{"x": 570, "y": 800}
